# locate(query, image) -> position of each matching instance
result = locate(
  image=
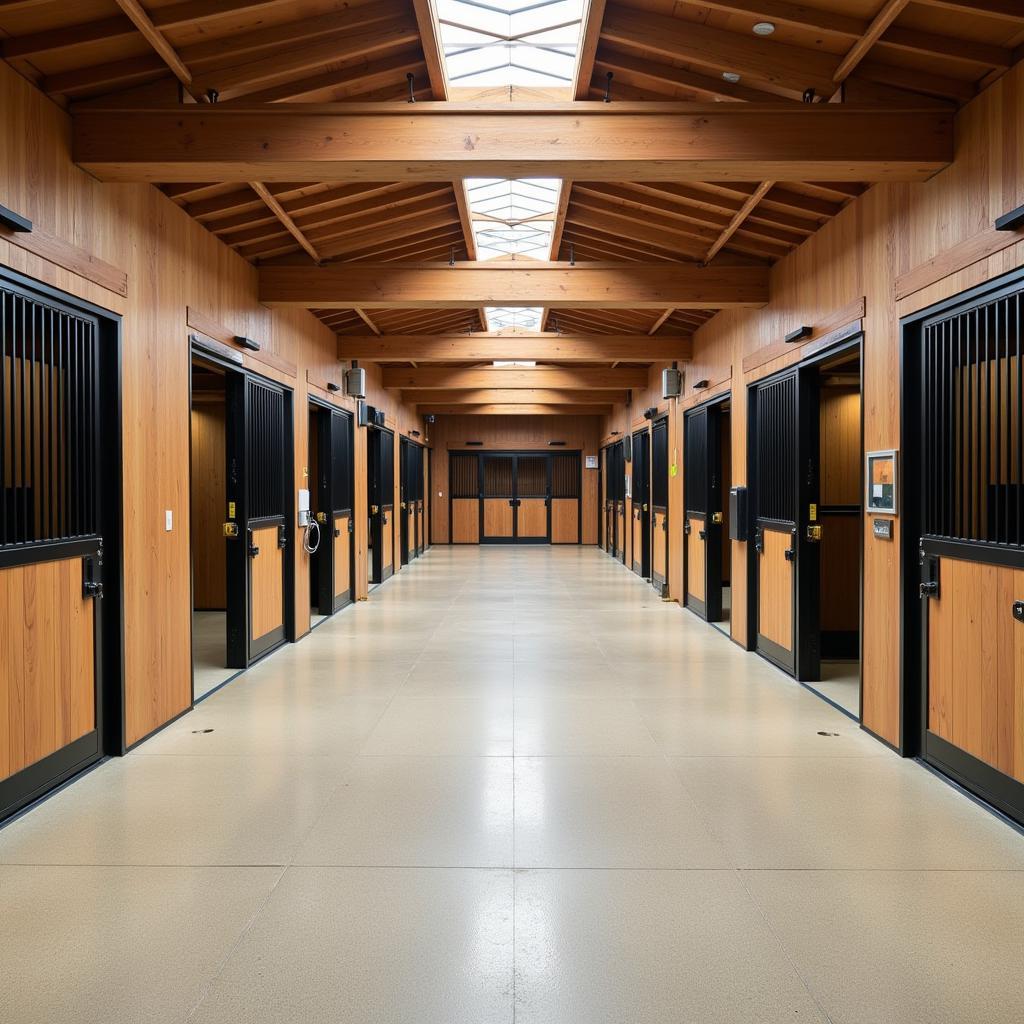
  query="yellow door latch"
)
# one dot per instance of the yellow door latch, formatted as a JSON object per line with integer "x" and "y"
{"x": 814, "y": 532}
{"x": 374, "y": 509}
{"x": 321, "y": 517}
{"x": 716, "y": 517}
{"x": 231, "y": 529}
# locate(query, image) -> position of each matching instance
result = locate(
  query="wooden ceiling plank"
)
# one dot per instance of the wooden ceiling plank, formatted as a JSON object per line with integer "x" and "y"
{"x": 515, "y": 410}
{"x": 110, "y": 75}
{"x": 914, "y": 80}
{"x": 188, "y": 11}
{"x": 969, "y": 51}
{"x": 279, "y": 212}
{"x": 376, "y": 223}
{"x": 784, "y": 13}
{"x": 407, "y": 246}
{"x": 505, "y": 396}
{"x": 793, "y": 68}
{"x": 370, "y": 141}
{"x": 889, "y": 12}
{"x": 1009, "y": 10}
{"x": 66, "y": 37}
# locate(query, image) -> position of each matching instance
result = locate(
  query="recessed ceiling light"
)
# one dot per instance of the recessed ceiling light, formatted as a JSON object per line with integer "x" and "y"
{"x": 730, "y": 76}
{"x": 764, "y": 28}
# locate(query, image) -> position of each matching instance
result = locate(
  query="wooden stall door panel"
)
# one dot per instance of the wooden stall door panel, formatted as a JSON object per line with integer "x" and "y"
{"x": 658, "y": 548}
{"x": 465, "y": 521}
{"x": 497, "y": 517}
{"x": 840, "y": 573}
{"x": 775, "y": 590}
{"x": 342, "y": 557}
{"x": 565, "y": 521}
{"x": 533, "y": 518}
{"x": 696, "y": 575}
{"x": 267, "y": 583}
{"x": 387, "y": 542}
{"x": 47, "y": 662}
{"x": 620, "y": 531}
{"x": 209, "y": 506}
{"x": 976, "y": 663}
{"x": 638, "y": 543}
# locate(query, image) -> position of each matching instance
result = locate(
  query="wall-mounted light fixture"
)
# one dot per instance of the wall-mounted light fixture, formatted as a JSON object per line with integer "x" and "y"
{"x": 650, "y": 413}
{"x": 799, "y": 334}
{"x": 557, "y": 444}
{"x": 615, "y": 433}
{"x": 475, "y": 444}
{"x": 414, "y": 433}
{"x": 1011, "y": 221}
{"x": 331, "y": 386}
{"x": 700, "y": 385}
{"x": 13, "y": 220}
{"x": 249, "y": 343}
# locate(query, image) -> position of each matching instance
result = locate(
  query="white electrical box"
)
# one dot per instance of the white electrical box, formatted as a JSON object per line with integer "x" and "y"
{"x": 304, "y": 516}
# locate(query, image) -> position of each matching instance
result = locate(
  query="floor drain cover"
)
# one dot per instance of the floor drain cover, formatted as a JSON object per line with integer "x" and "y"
{"x": 196, "y": 732}
{"x": 822, "y": 732}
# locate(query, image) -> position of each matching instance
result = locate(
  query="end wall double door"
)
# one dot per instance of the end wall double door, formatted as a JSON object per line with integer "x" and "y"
{"x": 516, "y": 501}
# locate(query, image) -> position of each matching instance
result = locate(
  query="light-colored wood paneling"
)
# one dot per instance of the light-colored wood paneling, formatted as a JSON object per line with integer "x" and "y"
{"x": 658, "y": 547}
{"x": 696, "y": 554}
{"x": 532, "y": 518}
{"x": 267, "y": 583}
{"x": 497, "y": 517}
{"x": 840, "y": 446}
{"x": 840, "y": 573}
{"x": 388, "y": 543}
{"x": 208, "y": 504}
{"x": 465, "y": 521}
{"x": 873, "y": 250}
{"x": 173, "y": 265}
{"x": 342, "y": 557}
{"x": 565, "y": 521}
{"x": 775, "y": 590}
{"x": 47, "y": 689}
{"x": 976, "y": 663}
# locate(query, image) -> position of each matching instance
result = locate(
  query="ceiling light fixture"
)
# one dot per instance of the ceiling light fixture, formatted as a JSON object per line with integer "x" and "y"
{"x": 731, "y": 76}
{"x": 764, "y": 28}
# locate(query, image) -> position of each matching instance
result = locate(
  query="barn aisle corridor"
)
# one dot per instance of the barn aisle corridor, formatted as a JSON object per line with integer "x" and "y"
{"x": 514, "y": 785}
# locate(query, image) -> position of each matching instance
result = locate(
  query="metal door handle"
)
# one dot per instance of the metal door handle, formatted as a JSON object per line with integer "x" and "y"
{"x": 1018, "y": 610}
{"x": 716, "y": 517}
{"x": 703, "y": 534}
{"x": 253, "y": 550}
{"x": 929, "y": 589}
{"x": 90, "y": 588}
{"x": 687, "y": 528}
{"x": 790, "y": 555}
{"x": 337, "y": 532}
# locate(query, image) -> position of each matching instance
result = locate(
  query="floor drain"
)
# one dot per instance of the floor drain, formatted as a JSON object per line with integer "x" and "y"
{"x": 822, "y": 732}
{"x": 196, "y": 732}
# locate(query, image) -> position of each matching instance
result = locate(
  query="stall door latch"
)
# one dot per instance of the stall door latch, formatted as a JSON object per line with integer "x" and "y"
{"x": 92, "y": 575}
{"x": 1018, "y": 610}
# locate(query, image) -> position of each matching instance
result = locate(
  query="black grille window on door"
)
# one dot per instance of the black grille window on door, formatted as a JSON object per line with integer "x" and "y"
{"x": 49, "y": 422}
{"x": 973, "y": 434}
{"x": 265, "y": 447}
{"x": 777, "y": 450}
{"x": 565, "y": 476}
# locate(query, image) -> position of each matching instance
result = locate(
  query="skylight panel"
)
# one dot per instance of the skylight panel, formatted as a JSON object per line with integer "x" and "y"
{"x": 512, "y": 217}
{"x": 524, "y": 318}
{"x": 510, "y": 42}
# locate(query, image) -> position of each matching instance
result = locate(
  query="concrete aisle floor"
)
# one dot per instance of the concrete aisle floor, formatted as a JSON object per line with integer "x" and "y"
{"x": 514, "y": 785}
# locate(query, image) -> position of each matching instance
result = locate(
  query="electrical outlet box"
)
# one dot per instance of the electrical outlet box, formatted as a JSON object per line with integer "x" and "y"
{"x": 304, "y": 516}
{"x": 168, "y": 520}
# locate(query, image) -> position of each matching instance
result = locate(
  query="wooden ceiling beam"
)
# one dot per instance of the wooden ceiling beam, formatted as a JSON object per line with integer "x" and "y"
{"x": 512, "y": 396}
{"x": 593, "y": 285}
{"x": 433, "y": 53}
{"x": 187, "y": 11}
{"x": 590, "y": 35}
{"x": 890, "y": 11}
{"x": 279, "y": 212}
{"x": 738, "y": 218}
{"x": 581, "y": 378}
{"x": 516, "y": 410}
{"x": 784, "y": 13}
{"x": 564, "y": 348}
{"x": 596, "y": 141}
{"x": 1009, "y": 10}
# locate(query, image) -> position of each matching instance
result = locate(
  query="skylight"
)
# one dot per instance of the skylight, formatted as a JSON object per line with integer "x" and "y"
{"x": 524, "y": 318}
{"x": 512, "y": 217}
{"x": 510, "y": 42}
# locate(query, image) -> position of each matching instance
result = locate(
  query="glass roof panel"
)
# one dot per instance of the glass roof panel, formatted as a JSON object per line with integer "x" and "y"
{"x": 512, "y": 217}
{"x": 526, "y": 318}
{"x": 510, "y": 42}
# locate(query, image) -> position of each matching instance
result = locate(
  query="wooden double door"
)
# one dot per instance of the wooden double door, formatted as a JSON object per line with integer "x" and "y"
{"x": 516, "y": 505}
{"x": 60, "y": 452}
{"x": 333, "y": 485}
{"x": 963, "y": 507}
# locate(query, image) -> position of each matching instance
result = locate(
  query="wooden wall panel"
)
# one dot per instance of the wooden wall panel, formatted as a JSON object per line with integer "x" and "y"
{"x": 172, "y": 263}
{"x": 465, "y": 521}
{"x": 508, "y": 433}
{"x": 342, "y": 557}
{"x": 894, "y": 237}
{"x": 267, "y": 598}
{"x": 565, "y": 521}
{"x": 208, "y": 506}
{"x": 840, "y": 446}
{"x": 46, "y": 684}
{"x": 775, "y": 590}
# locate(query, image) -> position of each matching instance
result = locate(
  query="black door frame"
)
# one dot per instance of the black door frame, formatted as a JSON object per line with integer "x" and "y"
{"x": 376, "y": 439}
{"x": 642, "y": 457}
{"x": 659, "y": 426}
{"x": 1000, "y": 791}
{"x": 327, "y": 600}
{"x": 105, "y": 560}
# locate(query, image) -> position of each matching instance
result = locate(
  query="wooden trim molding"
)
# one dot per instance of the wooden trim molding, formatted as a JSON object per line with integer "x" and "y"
{"x": 71, "y": 257}
{"x": 961, "y": 256}
{"x": 820, "y": 337}
{"x": 199, "y": 321}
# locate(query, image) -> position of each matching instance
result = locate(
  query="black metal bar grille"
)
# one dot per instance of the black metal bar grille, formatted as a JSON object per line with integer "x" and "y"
{"x": 498, "y": 476}
{"x": 565, "y": 476}
{"x": 464, "y": 471}
{"x": 696, "y": 462}
{"x": 776, "y": 434}
{"x": 532, "y": 476}
{"x": 265, "y": 451}
{"x": 387, "y": 469}
{"x": 49, "y": 422}
{"x": 972, "y": 433}
{"x": 341, "y": 462}
{"x": 659, "y": 464}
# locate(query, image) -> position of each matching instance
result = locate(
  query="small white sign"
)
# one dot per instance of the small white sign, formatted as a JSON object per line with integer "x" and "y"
{"x": 591, "y": 462}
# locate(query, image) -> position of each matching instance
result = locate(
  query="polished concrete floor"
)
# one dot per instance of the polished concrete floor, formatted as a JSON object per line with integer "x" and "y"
{"x": 513, "y": 786}
{"x": 209, "y": 652}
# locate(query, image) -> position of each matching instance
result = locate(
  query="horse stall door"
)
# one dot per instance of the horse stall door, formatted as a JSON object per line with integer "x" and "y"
{"x": 641, "y": 521}
{"x": 532, "y": 499}
{"x": 53, "y": 434}
{"x": 336, "y": 486}
{"x": 464, "y": 495}
{"x": 387, "y": 504}
{"x": 404, "y": 500}
{"x": 659, "y": 505}
{"x": 695, "y": 512}
{"x": 566, "y": 491}
{"x": 498, "y": 499}
{"x": 775, "y": 456}
{"x": 266, "y": 502}
{"x": 970, "y": 491}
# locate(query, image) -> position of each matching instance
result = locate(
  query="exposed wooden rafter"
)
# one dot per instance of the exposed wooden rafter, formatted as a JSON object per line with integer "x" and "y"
{"x": 738, "y": 218}
{"x": 141, "y": 20}
{"x": 583, "y": 378}
{"x": 890, "y": 11}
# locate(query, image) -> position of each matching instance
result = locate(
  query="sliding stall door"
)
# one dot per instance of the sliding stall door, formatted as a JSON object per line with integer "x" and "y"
{"x": 464, "y": 481}
{"x": 566, "y": 488}
{"x": 659, "y": 505}
{"x": 641, "y": 522}
{"x": 532, "y": 503}
{"x": 498, "y": 512}
{"x": 406, "y": 520}
{"x": 703, "y": 525}
{"x": 337, "y": 526}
